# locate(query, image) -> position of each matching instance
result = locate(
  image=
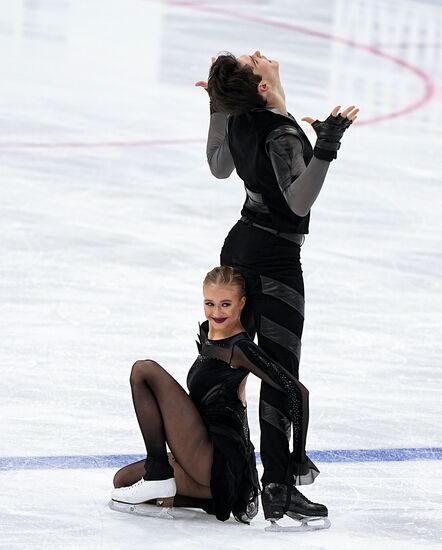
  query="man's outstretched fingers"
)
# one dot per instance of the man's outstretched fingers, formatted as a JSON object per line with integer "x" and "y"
{"x": 347, "y": 111}
{"x": 352, "y": 114}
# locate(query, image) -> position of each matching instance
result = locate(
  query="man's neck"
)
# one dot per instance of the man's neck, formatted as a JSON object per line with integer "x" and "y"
{"x": 276, "y": 100}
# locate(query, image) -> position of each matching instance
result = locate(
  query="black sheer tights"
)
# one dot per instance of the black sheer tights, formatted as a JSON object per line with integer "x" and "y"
{"x": 166, "y": 414}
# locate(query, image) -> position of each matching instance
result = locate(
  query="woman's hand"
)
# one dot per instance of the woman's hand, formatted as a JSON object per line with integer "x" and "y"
{"x": 203, "y": 83}
{"x": 331, "y": 130}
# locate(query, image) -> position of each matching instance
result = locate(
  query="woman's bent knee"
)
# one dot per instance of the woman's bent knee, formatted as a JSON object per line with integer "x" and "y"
{"x": 140, "y": 370}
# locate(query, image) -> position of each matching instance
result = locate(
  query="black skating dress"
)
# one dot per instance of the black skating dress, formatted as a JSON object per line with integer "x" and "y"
{"x": 213, "y": 381}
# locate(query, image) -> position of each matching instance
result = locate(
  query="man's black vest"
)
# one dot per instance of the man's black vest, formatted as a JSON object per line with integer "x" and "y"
{"x": 265, "y": 203}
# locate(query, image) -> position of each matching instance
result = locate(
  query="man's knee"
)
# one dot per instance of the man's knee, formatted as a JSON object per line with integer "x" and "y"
{"x": 141, "y": 370}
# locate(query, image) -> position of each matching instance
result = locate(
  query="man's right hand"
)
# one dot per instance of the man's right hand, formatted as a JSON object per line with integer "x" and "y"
{"x": 331, "y": 130}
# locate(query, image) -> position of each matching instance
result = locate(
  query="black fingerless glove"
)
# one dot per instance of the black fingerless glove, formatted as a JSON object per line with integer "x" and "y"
{"x": 329, "y": 132}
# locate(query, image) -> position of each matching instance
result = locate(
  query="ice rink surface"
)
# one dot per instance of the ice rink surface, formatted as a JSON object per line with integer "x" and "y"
{"x": 109, "y": 219}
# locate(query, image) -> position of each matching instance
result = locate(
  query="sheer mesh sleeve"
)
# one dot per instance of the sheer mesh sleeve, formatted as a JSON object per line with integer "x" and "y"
{"x": 300, "y": 185}
{"x": 218, "y": 152}
{"x": 248, "y": 355}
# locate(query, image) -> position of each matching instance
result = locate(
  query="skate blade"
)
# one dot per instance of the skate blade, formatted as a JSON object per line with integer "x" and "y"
{"x": 148, "y": 510}
{"x": 305, "y": 524}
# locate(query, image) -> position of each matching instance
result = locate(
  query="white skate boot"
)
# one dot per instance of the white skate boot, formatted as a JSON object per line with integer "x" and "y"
{"x": 132, "y": 499}
{"x": 143, "y": 490}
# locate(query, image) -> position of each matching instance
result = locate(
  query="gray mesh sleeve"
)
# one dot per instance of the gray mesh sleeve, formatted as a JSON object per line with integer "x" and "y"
{"x": 218, "y": 153}
{"x": 299, "y": 184}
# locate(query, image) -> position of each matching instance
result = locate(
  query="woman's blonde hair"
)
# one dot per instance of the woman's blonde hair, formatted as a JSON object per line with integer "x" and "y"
{"x": 225, "y": 275}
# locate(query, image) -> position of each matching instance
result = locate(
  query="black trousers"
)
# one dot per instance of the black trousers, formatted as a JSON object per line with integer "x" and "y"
{"x": 275, "y": 312}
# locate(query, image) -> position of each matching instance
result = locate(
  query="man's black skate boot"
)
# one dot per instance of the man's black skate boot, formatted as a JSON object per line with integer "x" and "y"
{"x": 279, "y": 499}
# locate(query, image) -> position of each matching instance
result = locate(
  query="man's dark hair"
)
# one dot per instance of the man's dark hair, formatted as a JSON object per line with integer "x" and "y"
{"x": 233, "y": 88}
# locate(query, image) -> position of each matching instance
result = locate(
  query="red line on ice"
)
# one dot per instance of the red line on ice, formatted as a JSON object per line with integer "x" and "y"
{"x": 429, "y": 87}
{"x": 97, "y": 144}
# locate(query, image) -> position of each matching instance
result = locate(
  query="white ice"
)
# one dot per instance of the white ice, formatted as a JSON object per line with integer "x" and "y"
{"x": 109, "y": 219}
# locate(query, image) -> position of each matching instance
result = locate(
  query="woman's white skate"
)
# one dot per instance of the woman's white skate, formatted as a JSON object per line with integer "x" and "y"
{"x": 135, "y": 498}
{"x": 305, "y": 523}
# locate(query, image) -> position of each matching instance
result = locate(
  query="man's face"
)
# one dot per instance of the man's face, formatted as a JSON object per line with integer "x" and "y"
{"x": 267, "y": 69}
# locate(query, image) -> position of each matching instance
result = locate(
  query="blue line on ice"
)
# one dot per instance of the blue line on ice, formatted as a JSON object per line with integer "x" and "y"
{"x": 115, "y": 461}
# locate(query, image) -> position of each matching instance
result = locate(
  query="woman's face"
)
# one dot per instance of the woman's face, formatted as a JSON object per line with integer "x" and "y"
{"x": 267, "y": 69}
{"x": 223, "y": 305}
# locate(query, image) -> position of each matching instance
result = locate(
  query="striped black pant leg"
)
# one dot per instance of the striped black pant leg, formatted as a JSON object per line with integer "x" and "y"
{"x": 278, "y": 310}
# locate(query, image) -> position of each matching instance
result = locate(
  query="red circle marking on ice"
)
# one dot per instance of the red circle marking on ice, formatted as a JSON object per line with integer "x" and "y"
{"x": 429, "y": 87}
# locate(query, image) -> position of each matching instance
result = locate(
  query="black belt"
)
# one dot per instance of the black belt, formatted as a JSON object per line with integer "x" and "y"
{"x": 297, "y": 238}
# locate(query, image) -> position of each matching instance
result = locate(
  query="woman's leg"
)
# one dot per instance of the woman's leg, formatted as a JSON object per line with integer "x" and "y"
{"x": 166, "y": 413}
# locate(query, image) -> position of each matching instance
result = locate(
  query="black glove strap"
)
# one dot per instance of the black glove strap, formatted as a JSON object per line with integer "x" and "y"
{"x": 323, "y": 154}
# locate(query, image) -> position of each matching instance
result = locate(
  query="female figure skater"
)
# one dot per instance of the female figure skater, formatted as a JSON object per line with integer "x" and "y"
{"x": 213, "y": 461}
{"x": 252, "y": 131}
